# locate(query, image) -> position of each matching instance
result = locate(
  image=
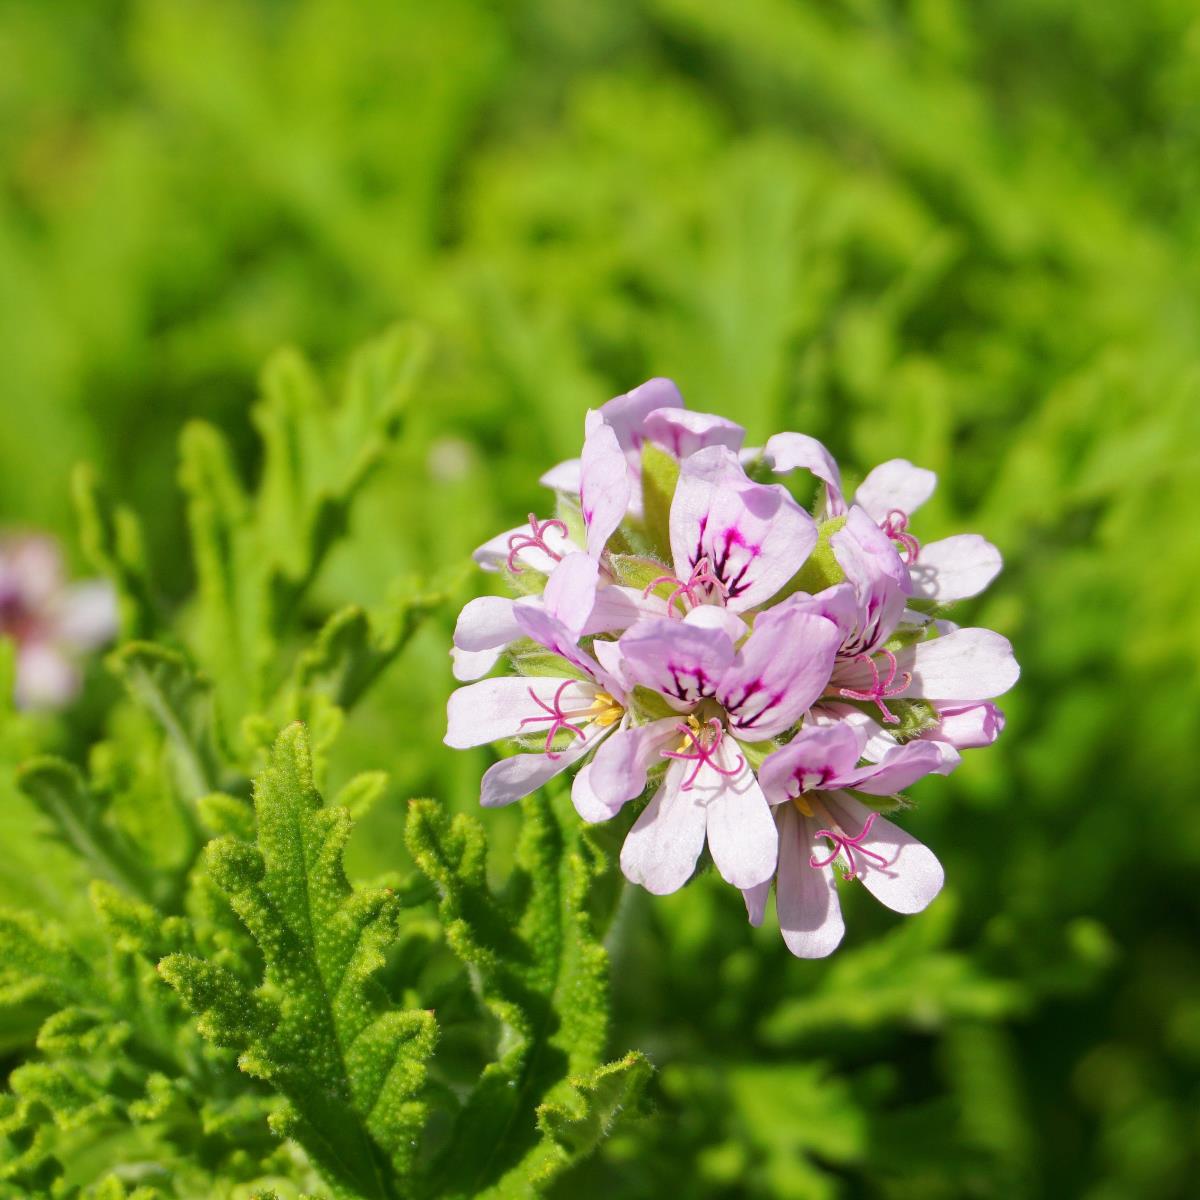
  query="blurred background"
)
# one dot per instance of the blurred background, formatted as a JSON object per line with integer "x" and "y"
{"x": 965, "y": 234}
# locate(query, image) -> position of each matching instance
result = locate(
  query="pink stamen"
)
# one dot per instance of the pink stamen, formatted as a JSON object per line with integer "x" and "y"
{"x": 535, "y": 540}
{"x": 703, "y": 755}
{"x": 702, "y": 576}
{"x": 554, "y": 714}
{"x": 880, "y": 690}
{"x": 895, "y": 525}
{"x": 847, "y": 844}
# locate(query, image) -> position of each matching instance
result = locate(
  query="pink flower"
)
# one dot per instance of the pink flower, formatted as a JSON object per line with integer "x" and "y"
{"x": 821, "y": 825}
{"x": 954, "y": 568}
{"x": 565, "y": 714}
{"x": 726, "y": 694}
{"x": 671, "y": 647}
{"x": 52, "y": 623}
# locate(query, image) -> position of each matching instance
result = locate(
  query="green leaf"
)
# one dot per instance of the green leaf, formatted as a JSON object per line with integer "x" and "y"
{"x": 318, "y": 455}
{"x": 164, "y": 683}
{"x": 78, "y": 819}
{"x": 111, "y": 537}
{"x": 354, "y": 648}
{"x": 537, "y": 964}
{"x": 320, "y": 1030}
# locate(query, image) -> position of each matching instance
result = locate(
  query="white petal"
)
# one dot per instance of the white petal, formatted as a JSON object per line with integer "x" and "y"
{"x": 564, "y": 477}
{"x": 712, "y": 616}
{"x": 741, "y": 829}
{"x": 965, "y": 665}
{"x": 486, "y": 623}
{"x": 911, "y": 875}
{"x": 515, "y": 777}
{"x": 485, "y": 627}
{"x": 661, "y": 849}
{"x": 494, "y": 708}
{"x": 469, "y": 665}
{"x": 896, "y": 485}
{"x": 616, "y": 608}
{"x": 806, "y": 899}
{"x": 955, "y": 568}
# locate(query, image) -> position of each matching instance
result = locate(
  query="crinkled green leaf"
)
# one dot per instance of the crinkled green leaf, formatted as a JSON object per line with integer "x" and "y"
{"x": 321, "y": 1031}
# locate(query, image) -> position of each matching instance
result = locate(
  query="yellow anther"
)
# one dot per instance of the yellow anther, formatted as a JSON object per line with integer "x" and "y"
{"x": 803, "y": 805}
{"x": 605, "y": 710}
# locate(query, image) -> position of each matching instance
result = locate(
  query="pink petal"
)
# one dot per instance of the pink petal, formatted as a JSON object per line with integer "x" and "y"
{"x": 969, "y": 726}
{"x": 86, "y": 614}
{"x": 816, "y": 753}
{"x": 779, "y": 672}
{"x": 806, "y": 899}
{"x": 626, "y": 414}
{"x": 895, "y": 486}
{"x": 32, "y": 567}
{"x": 46, "y": 678}
{"x": 900, "y": 767}
{"x": 741, "y": 830}
{"x": 678, "y": 660}
{"x": 548, "y": 631}
{"x": 661, "y": 849}
{"x": 605, "y": 488}
{"x": 955, "y": 568}
{"x": 910, "y": 877}
{"x": 570, "y": 593}
{"x": 756, "y": 901}
{"x": 754, "y": 536}
{"x": 618, "y": 773}
{"x": 788, "y": 452}
{"x": 616, "y": 608}
{"x": 682, "y": 433}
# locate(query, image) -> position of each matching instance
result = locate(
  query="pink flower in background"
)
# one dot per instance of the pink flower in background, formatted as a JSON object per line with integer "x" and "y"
{"x": 680, "y": 644}
{"x": 52, "y": 623}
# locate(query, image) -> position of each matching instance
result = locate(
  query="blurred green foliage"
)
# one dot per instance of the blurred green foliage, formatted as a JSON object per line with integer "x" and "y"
{"x": 961, "y": 233}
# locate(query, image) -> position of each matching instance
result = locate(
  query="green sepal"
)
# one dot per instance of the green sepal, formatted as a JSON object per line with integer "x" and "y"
{"x": 528, "y": 658}
{"x": 821, "y": 569}
{"x": 660, "y": 477}
{"x": 650, "y": 705}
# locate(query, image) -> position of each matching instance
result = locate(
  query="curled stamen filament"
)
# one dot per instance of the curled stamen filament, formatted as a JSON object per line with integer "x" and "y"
{"x": 703, "y": 754}
{"x": 558, "y": 719}
{"x": 702, "y": 576}
{"x": 881, "y": 689}
{"x": 895, "y": 525}
{"x": 844, "y": 843}
{"x": 535, "y": 540}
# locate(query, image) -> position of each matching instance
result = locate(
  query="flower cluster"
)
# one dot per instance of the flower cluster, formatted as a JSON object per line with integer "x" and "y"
{"x": 776, "y": 678}
{"x": 51, "y": 623}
